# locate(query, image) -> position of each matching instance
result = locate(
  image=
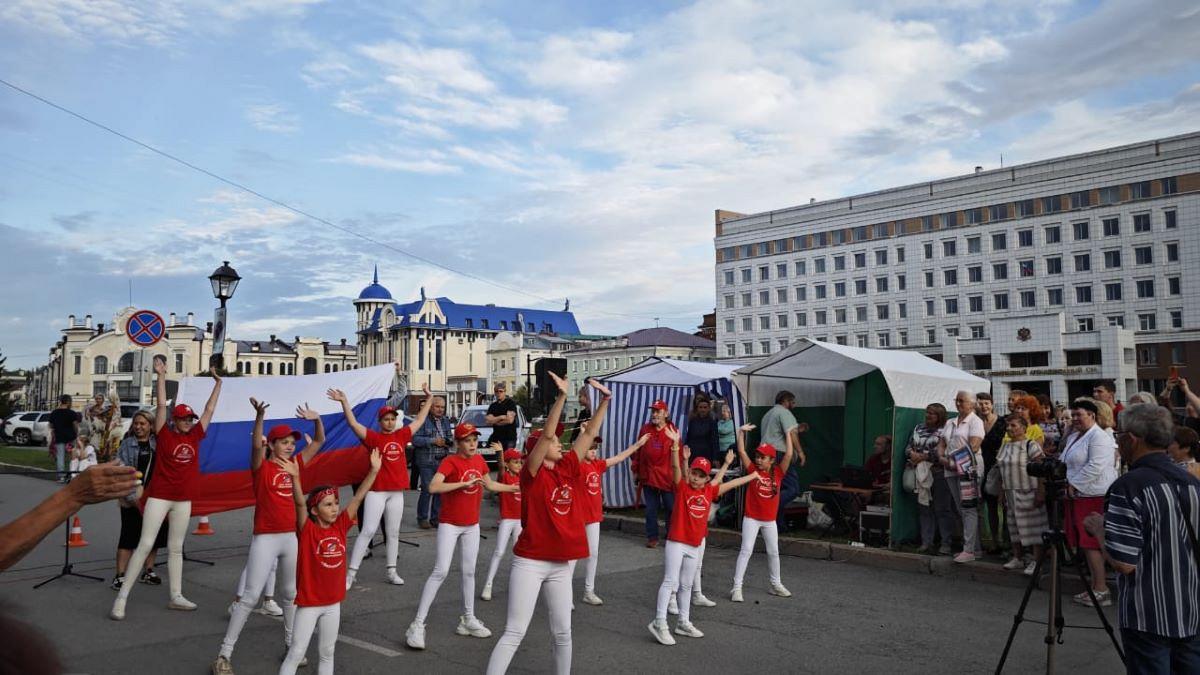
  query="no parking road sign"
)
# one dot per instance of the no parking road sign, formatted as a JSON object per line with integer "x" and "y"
{"x": 145, "y": 328}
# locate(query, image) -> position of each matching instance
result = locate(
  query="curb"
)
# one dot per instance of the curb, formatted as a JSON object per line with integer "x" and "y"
{"x": 878, "y": 558}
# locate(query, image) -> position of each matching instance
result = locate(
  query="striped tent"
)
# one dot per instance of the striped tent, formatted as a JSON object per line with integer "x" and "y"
{"x": 635, "y": 388}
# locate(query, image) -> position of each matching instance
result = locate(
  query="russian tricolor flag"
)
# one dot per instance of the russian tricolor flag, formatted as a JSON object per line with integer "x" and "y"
{"x": 225, "y": 453}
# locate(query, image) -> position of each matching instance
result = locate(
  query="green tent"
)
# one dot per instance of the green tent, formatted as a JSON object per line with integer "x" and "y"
{"x": 850, "y": 395}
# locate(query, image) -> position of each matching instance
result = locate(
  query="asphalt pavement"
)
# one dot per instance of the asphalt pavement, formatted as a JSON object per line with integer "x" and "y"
{"x": 841, "y": 618}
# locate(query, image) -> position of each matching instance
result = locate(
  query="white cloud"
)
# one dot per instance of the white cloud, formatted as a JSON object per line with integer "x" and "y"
{"x": 408, "y": 162}
{"x": 416, "y": 69}
{"x": 584, "y": 62}
{"x": 273, "y": 117}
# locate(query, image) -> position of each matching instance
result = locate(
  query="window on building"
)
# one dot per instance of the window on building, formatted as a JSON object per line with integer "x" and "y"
{"x": 1139, "y": 190}
{"x": 998, "y": 212}
{"x": 262, "y": 367}
{"x": 840, "y": 339}
{"x": 747, "y": 300}
{"x": 764, "y": 273}
{"x": 881, "y": 256}
{"x": 1028, "y": 299}
{"x": 952, "y": 331}
{"x": 1054, "y": 297}
{"x": 899, "y": 254}
{"x": 949, "y": 248}
{"x": 747, "y": 275}
{"x": 1081, "y": 230}
{"x": 929, "y": 308}
{"x": 1148, "y": 321}
{"x": 730, "y": 326}
{"x": 860, "y": 314}
{"x": 950, "y": 277}
{"x": 951, "y": 305}
{"x": 78, "y": 363}
{"x": 1169, "y": 220}
{"x": 1112, "y": 259}
{"x": 949, "y": 220}
{"x": 974, "y": 274}
{"x": 931, "y": 336}
{"x": 1143, "y": 255}
{"x": 1083, "y": 357}
{"x": 883, "y": 340}
{"x": 100, "y": 366}
{"x": 821, "y": 317}
{"x": 819, "y": 291}
{"x": 1176, "y": 318}
{"x": 901, "y": 282}
{"x": 801, "y": 268}
{"x": 821, "y": 238}
{"x": 975, "y": 303}
{"x": 801, "y": 318}
{"x": 764, "y": 298}
{"x": 728, "y": 302}
{"x": 781, "y": 320}
{"x": 881, "y": 284}
{"x": 928, "y": 278}
{"x": 1173, "y": 286}
{"x": 880, "y": 230}
{"x": 1172, "y": 251}
{"x": 1177, "y": 354}
{"x": 801, "y": 293}
{"x": 781, "y": 296}
{"x": 839, "y": 289}
{"x": 860, "y": 286}
{"x": 1169, "y": 185}
{"x": 1083, "y": 294}
{"x": 730, "y": 349}
{"x": 861, "y": 340}
{"x": 1117, "y": 320}
{"x": 1111, "y": 227}
{"x": 1148, "y": 355}
{"x": 927, "y": 224}
{"x": 781, "y": 270}
{"x": 881, "y": 312}
{"x": 902, "y": 310}
{"x": 1053, "y": 234}
{"x": 999, "y": 271}
{"x": 747, "y": 324}
{"x": 1109, "y": 195}
{"x": 819, "y": 265}
{"x": 728, "y": 277}
{"x": 839, "y": 316}
{"x": 977, "y": 332}
{"x": 1028, "y": 359}
{"x": 1051, "y": 204}
{"x": 839, "y": 237}
{"x": 1025, "y": 268}
{"x": 179, "y": 363}
{"x": 504, "y": 325}
{"x": 928, "y": 250}
{"x": 1000, "y": 301}
{"x": 860, "y": 260}
{"x": 902, "y": 337}
{"x": 1083, "y": 262}
{"x": 973, "y": 245}
{"x": 1141, "y": 222}
{"x": 1145, "y": 288}
{"x": 1081, "y": 199}
{"x": 125, "y": 363}
{"x": 1054, "y": 265}
{"x": 974, "y": 216}
{"x": 999, "y": 241}
{"x": 1024, "y": 208}
{"x": 1024, "y": 238}
{"x": 1112, "y": 291}
{"x": 839, "y": 263}
{"x": 747, "y": 348}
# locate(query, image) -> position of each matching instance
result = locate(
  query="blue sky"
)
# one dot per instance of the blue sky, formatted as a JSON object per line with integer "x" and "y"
{"x": 567, "y": 150}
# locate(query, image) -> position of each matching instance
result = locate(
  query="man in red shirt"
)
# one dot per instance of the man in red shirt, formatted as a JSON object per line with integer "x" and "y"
{"x": 652, "y": 469}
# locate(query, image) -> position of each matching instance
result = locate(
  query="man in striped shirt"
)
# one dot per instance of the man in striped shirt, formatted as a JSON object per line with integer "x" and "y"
{"x": 1148, "y": 534}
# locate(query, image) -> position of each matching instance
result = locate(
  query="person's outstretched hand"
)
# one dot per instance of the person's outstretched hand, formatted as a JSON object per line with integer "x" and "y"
{"x": 103, "y": 482}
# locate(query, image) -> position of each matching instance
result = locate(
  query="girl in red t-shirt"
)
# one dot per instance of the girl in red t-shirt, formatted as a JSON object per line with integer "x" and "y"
{"x": 321, "y": 563}
{"x": 274, "y": 540}
{"x": 510, "y": 515}
{"x": 460, "y": 480}
{"x": 172, "y": 488}
{"x": 592, "y": 468}
{"x": 553, "y": 535}
{"x": 386, "y": 499}
{"x": 694, "y": 497}
{"x": 762, "y": 507}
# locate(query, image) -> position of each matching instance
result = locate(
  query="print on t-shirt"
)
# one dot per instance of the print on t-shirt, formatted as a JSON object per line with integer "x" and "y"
{"x": 281, "y": 484}
{"x": 561, "y": 499}
{"x": 593, "y": 483}
{"x": 331, "y": 552}
{"x": 697, "y": 506}
{"x": 184, "y": 453}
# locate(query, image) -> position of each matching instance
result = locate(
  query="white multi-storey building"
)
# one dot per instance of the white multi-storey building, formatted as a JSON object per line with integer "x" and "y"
{"x": 1046, "y": 276}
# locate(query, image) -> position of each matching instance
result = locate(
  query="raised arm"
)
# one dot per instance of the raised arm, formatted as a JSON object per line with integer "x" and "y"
{"x": 788, "y": 454}
{"x": 340, "y": 396}
{"x": 736, "y": 483}
{"x": 627, "y": 452}
{"x": 258, "y": 450}
{"x": 423, "y": 413}
{"x": 741, "y": 446}
{"x": 533, "y": 462}
{"x": 292, "y": 469}
{"x": 729, "y": 456}
{"x": 365, "y": 486}
{"x": 588, "y": 436}
{"x": 1188, "y": 394}
{"x": 160, "y": 389}
{"x": 313, "y": 445}
{"x": 210, "y": 406}
{"x": 676, "y": 470}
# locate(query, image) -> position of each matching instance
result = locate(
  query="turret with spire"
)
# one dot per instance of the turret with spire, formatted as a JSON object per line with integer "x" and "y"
{"x": 372, "y": 298}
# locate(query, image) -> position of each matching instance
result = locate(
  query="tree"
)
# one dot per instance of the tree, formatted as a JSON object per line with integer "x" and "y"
{"x": 6, "y": 389}
{"x": 533, "y": 407}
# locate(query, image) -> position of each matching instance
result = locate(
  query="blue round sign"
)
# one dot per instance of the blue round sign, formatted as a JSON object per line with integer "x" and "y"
{"x": 145, "y": 328}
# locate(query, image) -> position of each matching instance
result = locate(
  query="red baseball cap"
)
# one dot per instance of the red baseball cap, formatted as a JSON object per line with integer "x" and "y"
{"x": 512, "y": 453}
{"x": 767, "y": 450}
{"x": 659, "y": 405}
{"x": 703, "y": 464}
{"x": 532, "y": 440}
{"x": 464, "y": 430}
{"x": 386, "y": 410}
{"x": 183, "y": 411}
{"x": 282, "y": 431}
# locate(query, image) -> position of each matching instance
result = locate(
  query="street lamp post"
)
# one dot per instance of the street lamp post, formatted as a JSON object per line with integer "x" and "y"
{"x": 224, "y": 282}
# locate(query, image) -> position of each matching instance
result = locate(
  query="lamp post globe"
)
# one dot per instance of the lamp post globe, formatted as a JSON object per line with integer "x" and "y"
{"x": 224, "y": 282}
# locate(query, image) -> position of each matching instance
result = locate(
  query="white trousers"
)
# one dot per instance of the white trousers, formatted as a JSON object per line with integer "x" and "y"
{"x": 526, "y": 581}
{"x": 679, "y": 571}
{"x": 266, "y": 551}
{"x": 388, "y": 506}
{"x": 510, "y": 528}
{"x": 750, "y": 530}
{"x": 325, "y": 619}
{"x": 699, "y": 566}
{"x": 448, "y": 536}
{"x": 176, "y": 514}
{"x": 593, "y": 540}
{"x": 268, "y": 590}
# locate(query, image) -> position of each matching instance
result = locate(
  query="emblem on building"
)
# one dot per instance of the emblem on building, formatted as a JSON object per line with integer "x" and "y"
{"x": 1023, "y": 334}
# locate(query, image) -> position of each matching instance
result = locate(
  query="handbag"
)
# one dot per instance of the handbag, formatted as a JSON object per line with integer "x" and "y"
{"x": 909, "y": 480}
{"x": 992, "y": 484}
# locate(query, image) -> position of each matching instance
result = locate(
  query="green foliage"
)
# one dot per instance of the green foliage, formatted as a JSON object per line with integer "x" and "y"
{"x": 533, "y": 408}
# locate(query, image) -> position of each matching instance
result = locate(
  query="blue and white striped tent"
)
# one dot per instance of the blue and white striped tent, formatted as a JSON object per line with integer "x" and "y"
{"x": 635, "y": 388}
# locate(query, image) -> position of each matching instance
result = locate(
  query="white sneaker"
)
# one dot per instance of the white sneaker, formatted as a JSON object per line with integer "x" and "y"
{"x": 487, "y": 592}
{"x": 686, "y": 628}
{"x": 414, "y": 637}
{"x": 1014, "y": 564}
{"x": 591, "y": 598}
{"x": 778, "y": 589}
{"x": 699, "y": 600}
{"x": 1030, "y": 568}
{"x": 661, "y": 632}
{"x": 182, "y": 604}
{"x": 117, "y": 613}
{"x": 270, "y": 608}
{"x": 469, "y": 625}
{"x": 222, "y": 666}
{"x": 350, "y": 574}
{"x": 736, "y": 595}
{"x": 393, "y": 578}
{"x": 673, "y": 606}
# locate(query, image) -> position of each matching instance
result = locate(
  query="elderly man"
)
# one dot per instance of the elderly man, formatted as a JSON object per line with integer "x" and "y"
{"x": 963, "y": 462}
{"x": 502, "y": 418}
{"x": 432, "y": 442}
{"x": 779, "y": 428}
{"x": 1148, "y": 534}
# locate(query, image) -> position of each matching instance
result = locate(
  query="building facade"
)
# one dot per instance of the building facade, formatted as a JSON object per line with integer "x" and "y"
{"x": 1045, "y": 276}
{"x": 512, "y": 357}
{"x": 91, "y": 360}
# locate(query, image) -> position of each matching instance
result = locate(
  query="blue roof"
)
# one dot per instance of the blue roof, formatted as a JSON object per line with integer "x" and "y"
{"x": 375, "y": 291}
{"x": 485, "y": 317}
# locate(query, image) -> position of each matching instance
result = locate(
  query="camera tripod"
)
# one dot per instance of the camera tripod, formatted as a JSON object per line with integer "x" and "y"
{"x": 1054, "y": 547}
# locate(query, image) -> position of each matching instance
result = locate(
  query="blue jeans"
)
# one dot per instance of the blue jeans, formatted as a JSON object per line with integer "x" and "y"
{"x": 789, "y": 490}
{"x": 427, "y": 504}
{"x": 1150, "y": 654}
{"x": 60, "y": 459}
{"x": 655, "y": 500}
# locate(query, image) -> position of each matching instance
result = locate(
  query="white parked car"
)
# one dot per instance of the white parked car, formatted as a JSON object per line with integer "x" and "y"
{"x": 477, "y": 415}
{"x": 28, "y": 428}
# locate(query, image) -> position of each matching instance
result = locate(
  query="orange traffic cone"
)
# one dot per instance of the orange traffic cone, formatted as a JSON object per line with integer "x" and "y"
{"x": 204, "y": 528}
{"x": 76, "y": 538}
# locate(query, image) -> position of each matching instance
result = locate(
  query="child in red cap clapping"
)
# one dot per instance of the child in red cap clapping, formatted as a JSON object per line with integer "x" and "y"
{"x": 510, "y": 514}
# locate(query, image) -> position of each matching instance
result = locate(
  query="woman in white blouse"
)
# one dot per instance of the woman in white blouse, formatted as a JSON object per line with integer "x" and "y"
{"x": 1090, "y": 453}
{"x": 964, "y": 432}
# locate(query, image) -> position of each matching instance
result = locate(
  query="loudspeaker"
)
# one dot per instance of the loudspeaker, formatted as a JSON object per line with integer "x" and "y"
{"x": 546, "y": 391}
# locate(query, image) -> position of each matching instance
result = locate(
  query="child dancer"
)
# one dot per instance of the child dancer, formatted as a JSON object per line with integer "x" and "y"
{"x": 320, "y": 563}
{"x": 274, "y": 541}
{"x": 694, "y": 497}
{"x": 510, "y": 515}
{"x": 553, "y": 535}
{"x": 593, "y": 507}
{"x": 762, "y": 507}
{"x": 177, "y": 466}
{"x": 460, "y": 480}
{"x": 386, "y": 499}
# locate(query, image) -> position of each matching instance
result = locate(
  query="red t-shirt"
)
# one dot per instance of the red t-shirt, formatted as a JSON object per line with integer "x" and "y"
{"x": 652, "y": 464}
{"x": 176, "y": 464}
{"x": 551, "y": 515}
{"x": 321, "y": 562}
{"x": 689, "y": 518}
{"x": 393, "y": 474}
{"x": 762, "y": 495}
{"x": 461, "y": 507}
{"x": 510, "y": 502}
{"x": 593, "y": 498}
{"x": 274, "y": 507}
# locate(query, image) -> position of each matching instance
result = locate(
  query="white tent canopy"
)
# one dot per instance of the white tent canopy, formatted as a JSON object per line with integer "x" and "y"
{"x": 915, "y": 380}
{"x": 673, "y": 372}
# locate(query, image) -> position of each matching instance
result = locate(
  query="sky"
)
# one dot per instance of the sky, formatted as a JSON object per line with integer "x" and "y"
{"x": 532, "y": 151}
